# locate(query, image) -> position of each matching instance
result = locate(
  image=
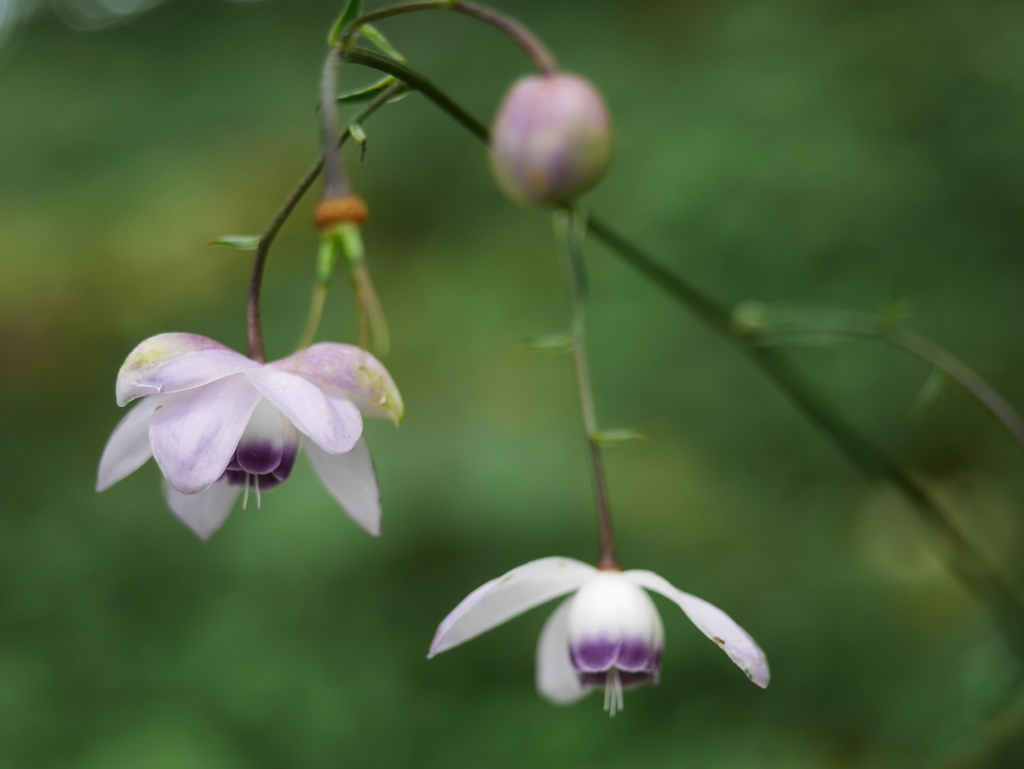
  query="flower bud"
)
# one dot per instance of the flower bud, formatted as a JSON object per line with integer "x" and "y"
{"x": 551, "y": 139}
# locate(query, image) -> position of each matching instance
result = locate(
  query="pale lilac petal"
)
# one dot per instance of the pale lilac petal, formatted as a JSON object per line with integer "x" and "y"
{"x": 714, "y": 623}
{"x": 204, "y": 512}
{"x": 508, "y": 596}
{"x": 333, "y": 423}
{"x": 168, "y": 363}
{"x": 128, "y": 447}
{"x": 351, "y": 373}
{"x": 195, "y": 433}
{"x": 556, "y": 678}
{"x": 351, "y": 480}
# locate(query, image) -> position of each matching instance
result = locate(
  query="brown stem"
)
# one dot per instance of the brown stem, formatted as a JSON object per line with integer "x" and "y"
{"x": 542, "y": 58}
{"x": 575, "y": 273}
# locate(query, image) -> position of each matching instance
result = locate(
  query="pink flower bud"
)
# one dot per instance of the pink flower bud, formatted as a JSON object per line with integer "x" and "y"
{"x": 551, "y": 139}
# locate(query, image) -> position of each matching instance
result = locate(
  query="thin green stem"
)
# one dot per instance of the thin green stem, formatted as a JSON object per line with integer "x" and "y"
{"x": 316, "y": 313}
{"x": 541, "y": 56}
{"x": 963, "y": 375}
{"x": 569, "y": 228}
{"x": 797, "y": 325}
{"x": 254, "y": 325}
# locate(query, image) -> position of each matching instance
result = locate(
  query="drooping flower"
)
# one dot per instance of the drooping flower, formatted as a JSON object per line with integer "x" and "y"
{"x": 218, "y": 422}
{"x": 551, "y": 139}
{"x": 607, "y": 635}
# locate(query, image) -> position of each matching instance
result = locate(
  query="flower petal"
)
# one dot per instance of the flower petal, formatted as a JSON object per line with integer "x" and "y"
{"x": 714, "y": 623}
{"x": 556, "y": 678}
{"x": 168, "y": 363}
{"x": 508, "y": 596}
{"x": 204, "y": 512}
{"x": 128, "y": 447}
{"x": 348, "y": 372}
{"x": 334, "y": 424}
{"x": 352, "y": 480}
{"x": 196, "y": 432}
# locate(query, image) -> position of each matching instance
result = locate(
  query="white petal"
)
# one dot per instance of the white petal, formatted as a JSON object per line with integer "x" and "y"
{"x": 128, "y": 447}
{"x": 556, "y": 678}
{"x": 351, "y": 373}
{"x": 508, "y": 596}
{"x": 714, "y": 623}
{"x": 196, "y": 432}
{"x": 168, "y": 363}
{"x": 352, "y": 480}
{"x": 204, "y": 512}
{"x": 332, "y": 422}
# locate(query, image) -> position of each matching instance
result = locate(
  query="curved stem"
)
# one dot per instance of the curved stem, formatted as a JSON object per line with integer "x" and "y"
{"x": 255, "y": 330}
{"x": 570, "y": 230}
{"x": 796, "y": 326}
{"x": 977, "y": 387}
{"x": 542, "y": 58}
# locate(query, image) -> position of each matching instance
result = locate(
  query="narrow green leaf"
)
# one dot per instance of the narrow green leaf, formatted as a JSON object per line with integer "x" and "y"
{"x": 359, "y": 136}
{"x": 930, "y": 392}
{"x": 617, "y": 437}
{"x": 366, "y": 92}
{"x": 560, "y": 342}
{"x": 380, "y": 42}
{"x": 352, "y": 11}
{"x": 244, "y": 242}
{"x": 357, "y": 133}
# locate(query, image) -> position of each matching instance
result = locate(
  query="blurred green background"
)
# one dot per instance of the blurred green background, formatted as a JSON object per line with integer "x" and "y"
{"x": 784, "y": 151}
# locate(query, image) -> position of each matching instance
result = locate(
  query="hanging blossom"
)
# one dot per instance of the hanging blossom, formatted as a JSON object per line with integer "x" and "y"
{"x": 607, "y": 635}
{"x": 218, "y": 423}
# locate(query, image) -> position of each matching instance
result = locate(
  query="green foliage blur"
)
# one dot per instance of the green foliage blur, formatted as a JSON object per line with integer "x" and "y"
{"x": 805, "y": 153}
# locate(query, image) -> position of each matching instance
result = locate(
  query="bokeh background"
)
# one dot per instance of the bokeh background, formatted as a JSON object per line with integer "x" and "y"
{"x": 805, "y": 153}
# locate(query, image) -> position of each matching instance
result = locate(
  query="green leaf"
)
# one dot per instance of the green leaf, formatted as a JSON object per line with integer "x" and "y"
{"x": 244, "y": 242}
{"x": 380, "y": 42}
{"x": 357, "y": 133}
{"x": 930, "y": 392}
{"x": 617, "y": 437}
{"x": 366, "y": 92}
{"x": 560, "y": 342}
{"x": 359, "y": 136}
{"x": 352, "y": 11}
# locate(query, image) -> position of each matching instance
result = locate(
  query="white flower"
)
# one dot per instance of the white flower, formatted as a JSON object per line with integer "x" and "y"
{"x": 217, "y": 422}
{"x": 608, "y": 634}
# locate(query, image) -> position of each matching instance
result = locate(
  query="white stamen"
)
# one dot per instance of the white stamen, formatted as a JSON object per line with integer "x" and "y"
{"x": 613, "y": 701}
{"x": 245, "y": 497}
{"x": 256, "y": 483}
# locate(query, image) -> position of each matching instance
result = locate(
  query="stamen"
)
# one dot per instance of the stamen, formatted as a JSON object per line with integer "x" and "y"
{"x": 256, "y": 483}
{"x": 613, "y": 701}
{"x": 245, "y": 497}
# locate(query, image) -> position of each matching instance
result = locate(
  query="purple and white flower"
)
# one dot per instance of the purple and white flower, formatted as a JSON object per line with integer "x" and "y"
{"x": 607, "y": 635}
{"x": 218, "y": 422}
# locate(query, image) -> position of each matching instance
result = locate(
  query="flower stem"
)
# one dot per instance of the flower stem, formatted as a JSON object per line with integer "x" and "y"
{"x": 254, "y": 325}
{"x": 335, "y": 180}
{"x": 542, "y": 58}
{"x": 570, "y": 229}
{"x": 316, "y": 312}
